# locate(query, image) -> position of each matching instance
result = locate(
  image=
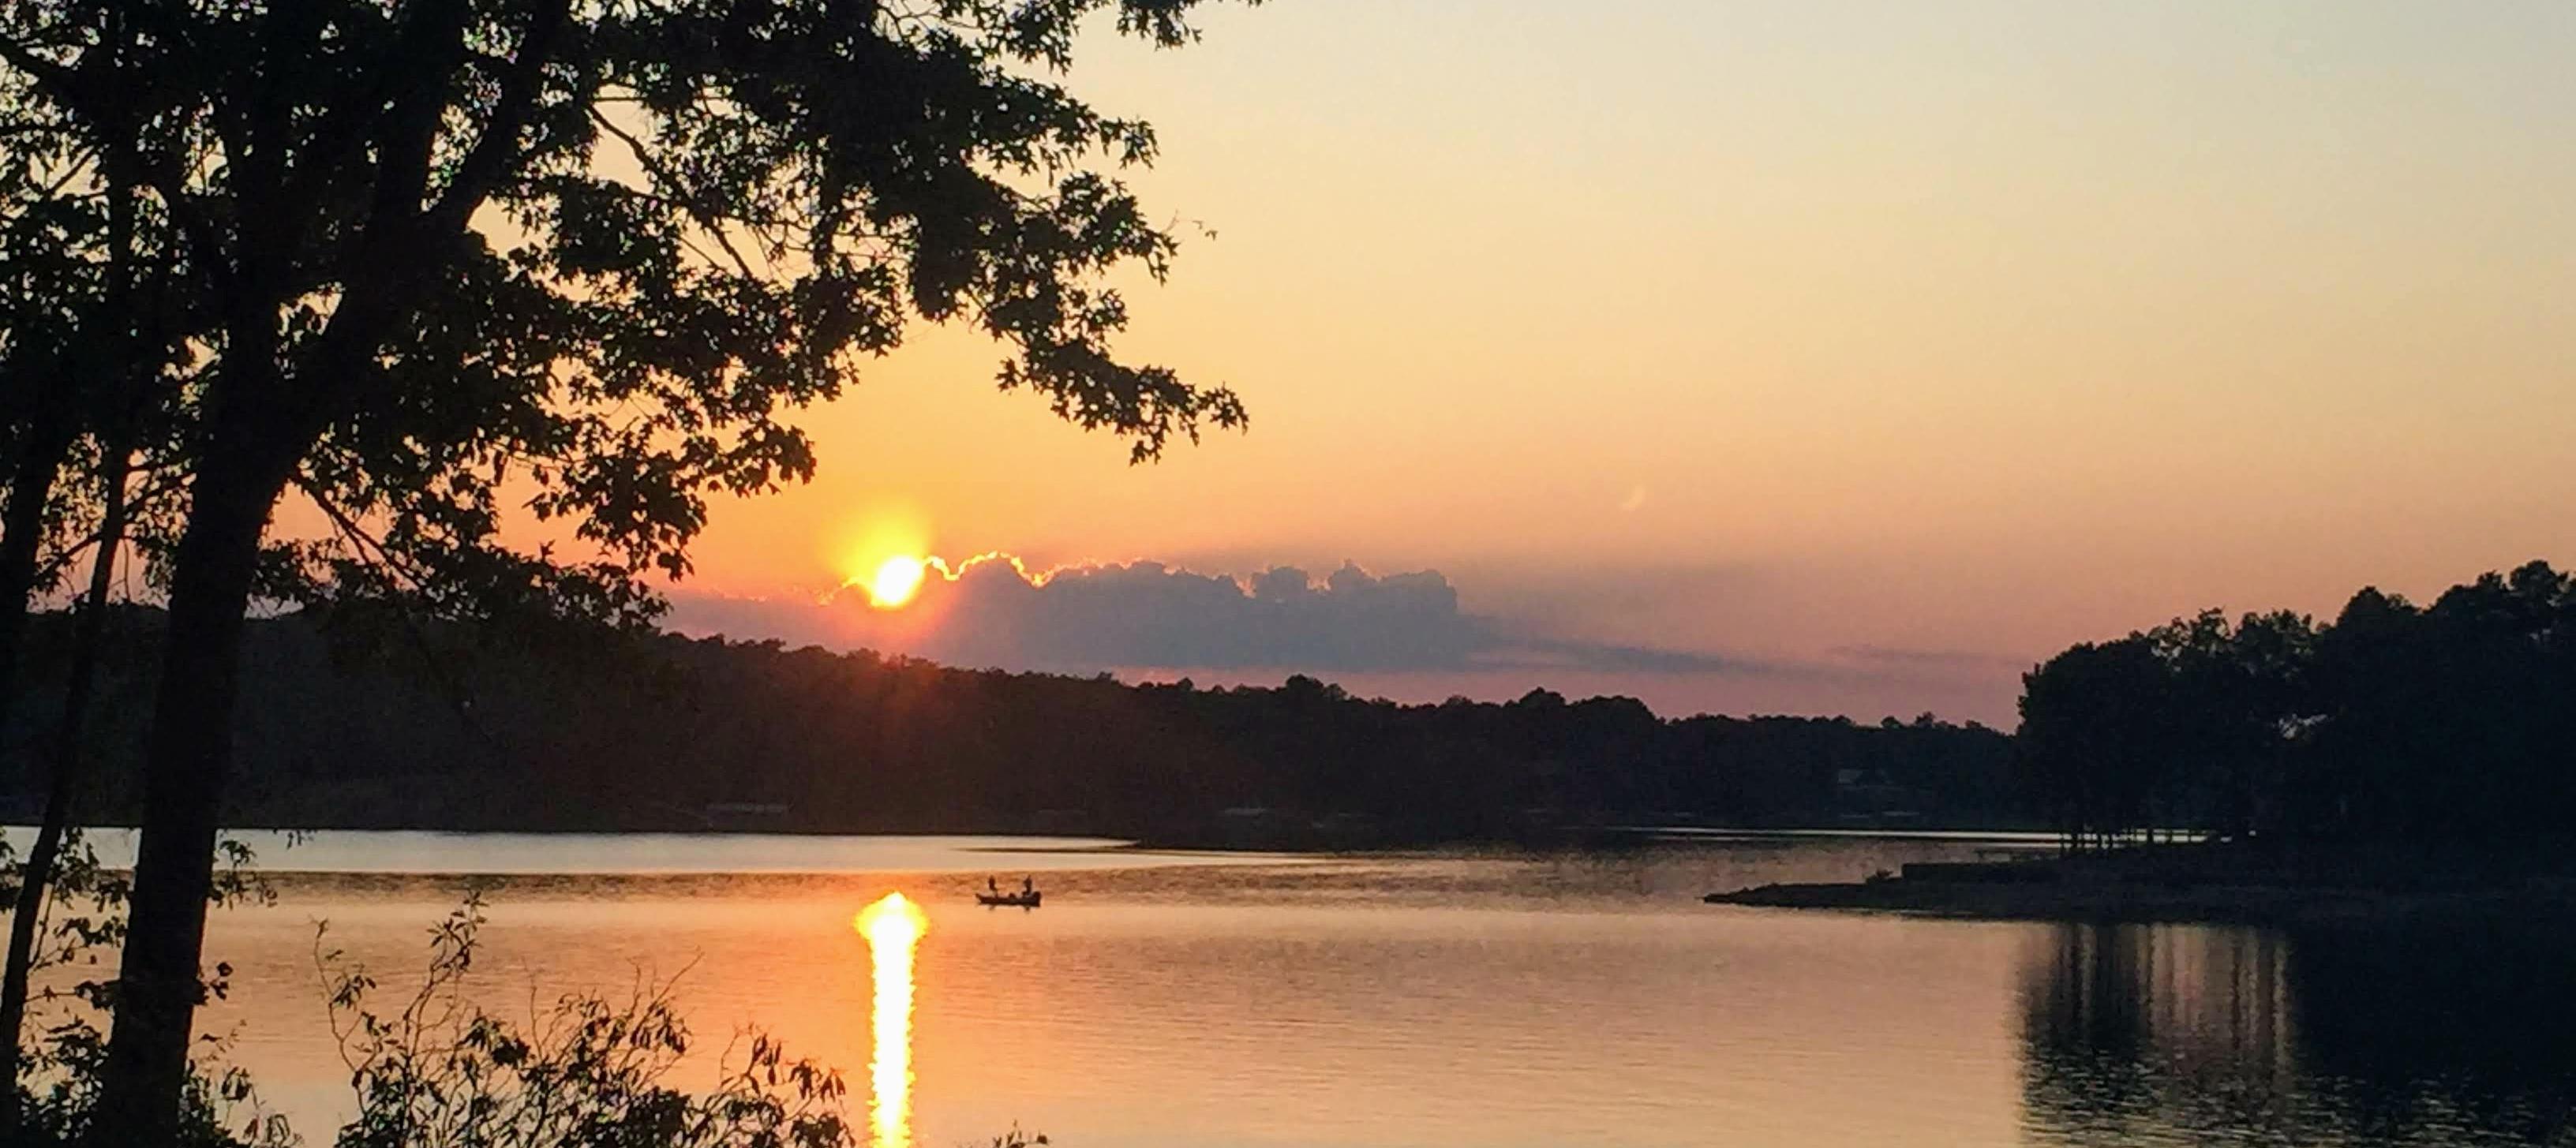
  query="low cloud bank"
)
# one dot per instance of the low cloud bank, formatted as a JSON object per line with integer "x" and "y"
{"x": 1141, "y": 614}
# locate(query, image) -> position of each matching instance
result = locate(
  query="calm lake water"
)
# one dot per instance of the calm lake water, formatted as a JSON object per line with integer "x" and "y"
{"x": 1493, "y": 1000}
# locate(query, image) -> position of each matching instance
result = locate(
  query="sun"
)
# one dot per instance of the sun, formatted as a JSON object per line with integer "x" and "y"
{"x": 897, "y": 579}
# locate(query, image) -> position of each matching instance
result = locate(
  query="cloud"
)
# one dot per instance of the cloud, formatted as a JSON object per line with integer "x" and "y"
{"x": 992, "y": 612}
{"x": 1642, "y": 659}
{"x": 1902, "y": 658}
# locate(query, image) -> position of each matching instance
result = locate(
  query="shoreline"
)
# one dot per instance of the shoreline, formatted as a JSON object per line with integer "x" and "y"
{"x": 2050, "y": 891}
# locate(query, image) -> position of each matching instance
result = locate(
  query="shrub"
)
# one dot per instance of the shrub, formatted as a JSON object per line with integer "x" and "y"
{"x": 587, "y": 1072}
{"x": 64, "y": 1046}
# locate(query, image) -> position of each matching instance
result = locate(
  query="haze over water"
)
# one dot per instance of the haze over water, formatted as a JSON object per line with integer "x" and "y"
{"x": 1455, "y": 999}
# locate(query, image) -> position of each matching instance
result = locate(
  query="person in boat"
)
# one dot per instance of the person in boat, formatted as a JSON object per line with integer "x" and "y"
{"x": 1027, "y": 888}
{"x": 993, "y": 886}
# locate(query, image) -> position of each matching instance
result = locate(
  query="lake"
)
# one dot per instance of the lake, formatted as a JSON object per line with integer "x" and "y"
{"x": 1486, "y": 999}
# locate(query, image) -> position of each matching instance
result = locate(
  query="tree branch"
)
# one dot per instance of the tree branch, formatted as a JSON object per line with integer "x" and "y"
{"x": 500, "y": 140}
{"x": 708, "y": 221}
{"x": 63, "y": 85}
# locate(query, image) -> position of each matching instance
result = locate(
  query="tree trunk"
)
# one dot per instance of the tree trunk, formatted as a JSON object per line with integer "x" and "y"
{"x": 111, "y": 332}
{"x": 185, "y": 762}
{"x": 38, "y": 873}
{"x": 22, "y": 528}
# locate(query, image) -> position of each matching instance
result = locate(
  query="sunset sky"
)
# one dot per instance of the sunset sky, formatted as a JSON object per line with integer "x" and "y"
{"x": 1754, "y": 357}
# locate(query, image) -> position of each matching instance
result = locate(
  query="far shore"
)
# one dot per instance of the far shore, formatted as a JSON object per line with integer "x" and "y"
{"x": 2215, "y": 884}
{"x": 2253, "y": 905}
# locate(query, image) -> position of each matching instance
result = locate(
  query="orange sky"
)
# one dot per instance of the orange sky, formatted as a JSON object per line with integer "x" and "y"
{"x": 1901, "y": 343}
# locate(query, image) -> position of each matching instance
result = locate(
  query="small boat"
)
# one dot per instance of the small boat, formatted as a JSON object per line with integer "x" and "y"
{"x": 1027, "y": 900}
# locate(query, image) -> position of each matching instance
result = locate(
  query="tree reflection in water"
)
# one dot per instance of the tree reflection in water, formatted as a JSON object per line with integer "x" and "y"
{"x": 2348, "y": 1036}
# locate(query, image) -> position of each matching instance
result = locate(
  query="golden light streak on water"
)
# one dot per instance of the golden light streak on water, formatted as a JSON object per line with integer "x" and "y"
{"x": 892, "y": 927}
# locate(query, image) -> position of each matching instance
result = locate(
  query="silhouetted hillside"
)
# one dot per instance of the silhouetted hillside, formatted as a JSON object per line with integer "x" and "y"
{"x": 364, "y": 721}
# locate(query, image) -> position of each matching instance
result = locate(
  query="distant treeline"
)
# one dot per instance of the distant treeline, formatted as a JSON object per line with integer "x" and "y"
{"x": 2446, "y": 725}
{"x": 365, "y": 720}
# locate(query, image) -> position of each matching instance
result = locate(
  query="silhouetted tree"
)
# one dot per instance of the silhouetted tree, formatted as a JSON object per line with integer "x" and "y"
{"x": 2232, "y": 699}
{"x": 2094, "y": 737}
{"x": 639, "y": 731}
{"x": 93, "y": 349}
{"x": 599, "y": 249}
{"x": 2445, "y": 726}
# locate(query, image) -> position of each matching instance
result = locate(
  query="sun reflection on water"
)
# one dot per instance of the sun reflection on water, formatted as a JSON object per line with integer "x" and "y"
{"x": 892, "y": 926}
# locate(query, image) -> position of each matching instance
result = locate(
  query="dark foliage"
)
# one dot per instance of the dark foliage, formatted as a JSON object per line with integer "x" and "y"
{"x": 355, "y": 723}
{"x": 2451, "y": 725}
{"x": 588, "y": 1070}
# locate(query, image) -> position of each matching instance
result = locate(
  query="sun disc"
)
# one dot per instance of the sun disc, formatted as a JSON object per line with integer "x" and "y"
{"x": 896, "y": 580}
